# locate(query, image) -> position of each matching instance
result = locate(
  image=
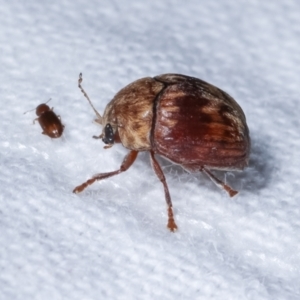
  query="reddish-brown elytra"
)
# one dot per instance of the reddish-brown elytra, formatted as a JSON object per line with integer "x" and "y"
{"x": 184, "y": 119}
{"x": 49, "y": 121}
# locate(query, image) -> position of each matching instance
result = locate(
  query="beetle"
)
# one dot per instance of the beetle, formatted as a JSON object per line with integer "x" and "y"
{"x": 49, "y": 121}
{"x": 184, "y": 119}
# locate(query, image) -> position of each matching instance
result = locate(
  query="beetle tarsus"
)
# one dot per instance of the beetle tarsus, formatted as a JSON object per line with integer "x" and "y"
{"x": 219, "y": 182}
{"x": 171, "y": 222}
{"x": 81, "y": 187}
{"x": 229, "y": 190}
{"x": 108, "y": 146}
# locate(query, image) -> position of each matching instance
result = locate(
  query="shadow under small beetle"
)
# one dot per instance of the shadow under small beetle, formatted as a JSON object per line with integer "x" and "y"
{"x": 184, "y": 119}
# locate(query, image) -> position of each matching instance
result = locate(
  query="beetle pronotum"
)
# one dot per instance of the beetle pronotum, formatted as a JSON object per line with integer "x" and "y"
{"x": 184, "y": 119}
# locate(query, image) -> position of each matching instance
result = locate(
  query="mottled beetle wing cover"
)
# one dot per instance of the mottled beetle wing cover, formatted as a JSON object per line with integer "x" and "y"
{"x": 197, "y": 124}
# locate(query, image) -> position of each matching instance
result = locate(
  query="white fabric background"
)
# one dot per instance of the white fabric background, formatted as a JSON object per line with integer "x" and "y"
{"x": 110, "y": 242}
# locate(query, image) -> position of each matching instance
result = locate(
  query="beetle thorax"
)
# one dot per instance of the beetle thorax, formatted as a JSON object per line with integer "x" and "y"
{"x": 41, "y": 109}
{"x": 130, "y": 113}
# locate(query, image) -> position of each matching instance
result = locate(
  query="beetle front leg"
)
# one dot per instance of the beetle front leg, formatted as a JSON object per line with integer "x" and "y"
{"x": 126, "y": 164}
{"x": 171, "y": 222}
{"x": 96, "y": 137}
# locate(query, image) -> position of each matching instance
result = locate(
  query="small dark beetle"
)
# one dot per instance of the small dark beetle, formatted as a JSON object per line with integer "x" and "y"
{"x": 49, "y": 121}
{"x": 186, "y": 120}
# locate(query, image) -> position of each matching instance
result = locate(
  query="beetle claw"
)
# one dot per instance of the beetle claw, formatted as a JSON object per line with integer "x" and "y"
{"x": 230, "y": 191}
{"x": 172, "y": 226}
{"x": 171, "y": 222}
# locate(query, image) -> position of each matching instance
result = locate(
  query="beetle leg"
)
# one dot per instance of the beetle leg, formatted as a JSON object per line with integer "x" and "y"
{"x": 98, "y": 137}
{"x": 171, "y": 222}
{"x": 220, "y": 183}
{"x": 126, "y": 164}
{"x": 99, "y": 121}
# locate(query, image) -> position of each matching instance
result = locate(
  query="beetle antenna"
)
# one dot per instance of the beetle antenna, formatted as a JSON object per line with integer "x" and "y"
{"x": 34, "y": 108}
{"x": 99, "y": 118}
{"x": 220, "y": 183}
{"x": 28, "y": 111}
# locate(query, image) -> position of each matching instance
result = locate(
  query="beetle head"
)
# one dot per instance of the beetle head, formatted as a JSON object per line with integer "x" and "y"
{"x": 108, "y": 135}
{"x": 41, "y": 109}
{"x": 110, "y": 128}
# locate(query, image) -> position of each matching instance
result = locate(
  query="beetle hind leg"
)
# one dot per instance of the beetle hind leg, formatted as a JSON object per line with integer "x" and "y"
{"x": 171, "y": 222}
{"x": 219, "y": 183}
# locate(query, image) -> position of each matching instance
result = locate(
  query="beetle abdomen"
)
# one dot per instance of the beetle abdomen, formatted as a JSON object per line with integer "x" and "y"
{"x": 198, "y": 125}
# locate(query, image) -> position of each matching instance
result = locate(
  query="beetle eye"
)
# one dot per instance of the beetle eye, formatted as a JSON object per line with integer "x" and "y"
{"x": 108, "y": 135}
